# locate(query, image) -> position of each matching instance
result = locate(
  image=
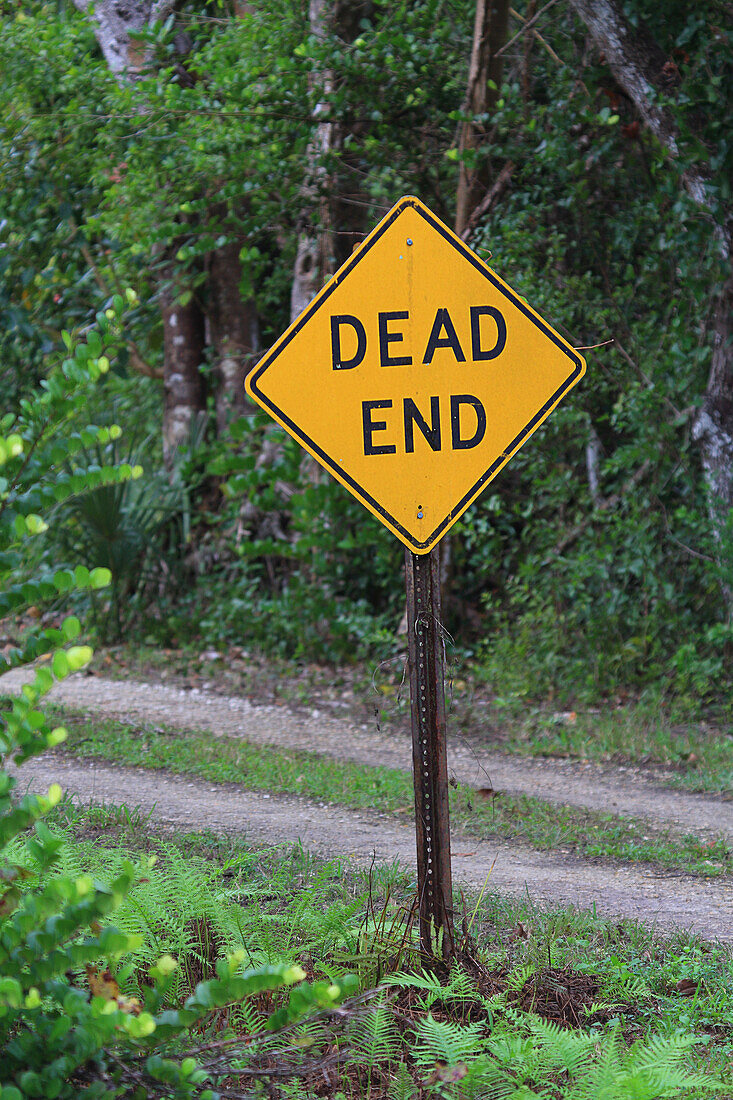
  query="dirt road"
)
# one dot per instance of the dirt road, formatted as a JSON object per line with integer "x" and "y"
{"x": 671, "y": 901}
{"x": 570, "y": 782}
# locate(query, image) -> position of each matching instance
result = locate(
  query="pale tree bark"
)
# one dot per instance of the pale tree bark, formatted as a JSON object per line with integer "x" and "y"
{"x": 184, "y": 349}
{"x": 713, "y": 430}
{"x": 642, "y": 70}
{"x": 234, "y": 323}
{"x": 315, "y": 259}
{"x": 115, "y": 21}
{"x": 317, "y": 255}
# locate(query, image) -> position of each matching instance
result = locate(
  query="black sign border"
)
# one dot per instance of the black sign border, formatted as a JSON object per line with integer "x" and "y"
{"x": 323, "y": 296}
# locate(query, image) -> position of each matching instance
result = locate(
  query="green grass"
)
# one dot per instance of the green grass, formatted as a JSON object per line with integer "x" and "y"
{"x": 286, "y": 904}
{"x": 698, "y": 756}
{"x": 694, "y": 748}
{"x": 541, "y": 824}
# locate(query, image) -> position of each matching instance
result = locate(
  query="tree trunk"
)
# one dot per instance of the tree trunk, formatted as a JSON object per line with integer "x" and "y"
{"x": 183, "y": 349}
{"x": 489, "y": 35}
{"x": 233, "y": 323}
{"x": 234, "y": 334}
{"x": 642, "y": 70}
{"x": 713, "y": 430}
{"x": 317, "y": 255}
{"x": 315, "y": 259}
{"x": 115, "y": 21}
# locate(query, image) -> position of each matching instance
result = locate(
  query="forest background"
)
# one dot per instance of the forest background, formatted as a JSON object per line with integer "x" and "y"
{"x": 223, "y": 158}
{"x": 177, "y": 179}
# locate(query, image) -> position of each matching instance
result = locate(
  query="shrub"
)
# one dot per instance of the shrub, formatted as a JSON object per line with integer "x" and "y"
{"x": 67, "y": 1029}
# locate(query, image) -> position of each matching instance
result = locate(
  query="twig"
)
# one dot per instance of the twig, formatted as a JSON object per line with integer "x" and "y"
{"x": 498, "y": 187}
{"x": 282, "y": 1070}
{"x": 141, "y": 365}
{"x": 604, "y": 506}
{"x": 679, "y": 413}
{"x": 683, "y": 545}
{"x": 536, "y": 34}
{"x": 527, "y": 26}
{"x": 592, "y": 347}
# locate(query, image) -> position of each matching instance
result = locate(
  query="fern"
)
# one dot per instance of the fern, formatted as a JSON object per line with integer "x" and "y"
{"x": 459, "y": 987}
{"x": 245, "y": 1018}
{"x": 603, "y": 1070}
{"x": 375, "y": 1037}
{"x": 402, "y": 1087}
{"x": 557, "y": 1048}
{"x": 655, "y": 1066}
{"x": 444, "y": 1041}
{"x": 519, "y": 978}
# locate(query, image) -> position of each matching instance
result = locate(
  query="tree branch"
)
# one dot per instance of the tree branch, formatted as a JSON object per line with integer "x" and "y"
{"x": 638, "y": 65}
{"x": 604, "y": 506}
{"x": 528, "y": 24}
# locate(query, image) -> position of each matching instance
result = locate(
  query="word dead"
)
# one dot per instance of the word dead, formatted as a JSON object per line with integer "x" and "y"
{"x": 442, "y": 335}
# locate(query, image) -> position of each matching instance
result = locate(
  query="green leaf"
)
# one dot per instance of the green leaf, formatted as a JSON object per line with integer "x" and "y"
{"x": 60, "y": 664}
{"x": 82, "y": 576}
{"x": 64, "y": 580}
{"x": 94, "y": 343}
{"x": 71, "y": 628}
{"x": 44, "y": 680}
{"x": 35, "y": 525}
{"x": 78, "y": 656}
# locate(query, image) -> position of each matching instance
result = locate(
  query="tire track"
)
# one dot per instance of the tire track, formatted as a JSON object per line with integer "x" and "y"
{"x": 183, "y": 804}
{"x": 568, "y": 782}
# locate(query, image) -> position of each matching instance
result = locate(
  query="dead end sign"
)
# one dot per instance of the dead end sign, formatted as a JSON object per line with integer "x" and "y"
{"x": 415, "y": 375}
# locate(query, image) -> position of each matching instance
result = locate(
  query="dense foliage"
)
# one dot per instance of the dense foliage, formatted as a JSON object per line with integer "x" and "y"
{"x": 76, "y": 1017}
{"x": 591, "y": 560}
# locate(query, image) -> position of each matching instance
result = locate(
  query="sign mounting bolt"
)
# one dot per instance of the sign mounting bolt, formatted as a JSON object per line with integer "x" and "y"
{"x": 409, "y": 240}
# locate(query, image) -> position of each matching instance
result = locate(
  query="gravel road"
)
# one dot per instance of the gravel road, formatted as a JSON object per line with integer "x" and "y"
{"x": 570, "y": 782}
{"x": 670, "y": 901}
{"x": 188, "y": 805}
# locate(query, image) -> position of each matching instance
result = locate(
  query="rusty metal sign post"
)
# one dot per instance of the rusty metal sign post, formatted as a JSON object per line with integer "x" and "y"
{"x": 429, "y": 757}
{"x": 413, "y": 377}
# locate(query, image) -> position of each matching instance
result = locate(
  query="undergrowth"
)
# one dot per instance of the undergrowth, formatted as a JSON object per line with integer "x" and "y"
{"x": 554, "y": 1005}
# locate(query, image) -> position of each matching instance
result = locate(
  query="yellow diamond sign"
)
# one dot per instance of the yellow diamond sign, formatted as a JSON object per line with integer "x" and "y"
{"x": 415, "y": 374}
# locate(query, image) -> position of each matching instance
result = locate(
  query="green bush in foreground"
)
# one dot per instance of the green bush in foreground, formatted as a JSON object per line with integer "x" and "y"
{"x": 66, "y": 1027}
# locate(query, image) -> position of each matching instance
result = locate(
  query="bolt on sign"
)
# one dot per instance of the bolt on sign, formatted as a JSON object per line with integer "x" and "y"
{"x": 415, "y": 375}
